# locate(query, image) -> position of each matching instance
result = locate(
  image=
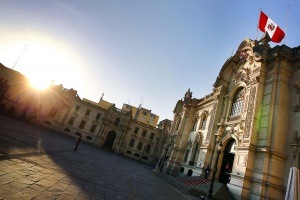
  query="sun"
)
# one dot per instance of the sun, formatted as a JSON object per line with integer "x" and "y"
{"x": 45, "y": 61}
{"x": 39, "y": 82}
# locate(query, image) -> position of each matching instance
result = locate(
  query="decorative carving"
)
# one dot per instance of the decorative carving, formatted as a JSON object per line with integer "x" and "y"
{"x": 199, "y": 138}
{"x": 295, "y": 146}
{"x": 188, "y": 96}
{"x": 243, "y": 55}
{"x": 234, "y": 118}
{"x": 219, "y": 133}
{"x": 189, "y": 144}
{"x": 250, "y": 112}
{"x": 212, "y": 118}
{"x": 297, "y": 85}
{"x": 297, "y": 138}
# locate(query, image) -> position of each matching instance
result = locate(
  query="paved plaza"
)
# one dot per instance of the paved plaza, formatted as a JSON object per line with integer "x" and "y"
{"x": 36, "y": 163}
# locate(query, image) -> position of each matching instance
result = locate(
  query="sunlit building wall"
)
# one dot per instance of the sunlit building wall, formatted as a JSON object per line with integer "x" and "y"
{"x": 99, "y": 123}
{"x": 142, "y": 114}
{"x": 22, "y": 101}
{"x": 250, "y": 121}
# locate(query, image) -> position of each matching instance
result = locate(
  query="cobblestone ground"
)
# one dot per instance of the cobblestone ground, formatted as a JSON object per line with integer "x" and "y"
{"x": 36, "y": 163}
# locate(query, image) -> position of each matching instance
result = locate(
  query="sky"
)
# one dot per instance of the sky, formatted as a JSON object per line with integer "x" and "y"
{"x": 147, "y": 52}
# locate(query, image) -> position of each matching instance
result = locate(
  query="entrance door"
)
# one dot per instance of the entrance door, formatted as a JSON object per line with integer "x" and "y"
{"x": 228, "y": 158}
{"x": 110, "y": 139}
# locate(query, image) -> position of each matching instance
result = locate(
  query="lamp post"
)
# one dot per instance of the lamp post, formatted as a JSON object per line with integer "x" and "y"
{"x": 214, "y": 172}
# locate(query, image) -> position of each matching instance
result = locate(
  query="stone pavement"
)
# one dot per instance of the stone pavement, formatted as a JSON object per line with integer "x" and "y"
{"x": 220, "y": 191}
{"x": 36, "y": 163}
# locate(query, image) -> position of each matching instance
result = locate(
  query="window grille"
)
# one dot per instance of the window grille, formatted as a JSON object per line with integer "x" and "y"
{"x": 237, "y": 103}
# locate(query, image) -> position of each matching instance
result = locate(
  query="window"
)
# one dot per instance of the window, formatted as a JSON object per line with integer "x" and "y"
{"x": 145, "y": 113}
{"x": 128, "y": 152}
{"x": 152, "y": 136}
{"x": 89, "y": 138}
{"x": 117, "y": 121}
{"x": 98, "y": 116}
{"x": 143, "y": 118}
{"x": 140, "y": 145}
{"x": 77, "y": 108}
{"x": 47, "y": 122}
{"x": 148, "y": 147}
{"x": 67, "y": 129}
{"x": 195, "y": 156}
{"x": 93, "y": 128}
{"x": 152, "y": 116}
{"x": 131, "y": 143}
{"x": 145, "y": 157}
{"x": 186, "y": 155}
{"x": 204, "y": 119}
{"x": 87, "y": 113}
{"x": 136, "y": 130}
{"x": 71, "y": 120}
{"x": 144, "y": 133}
{"x": 82, "y": 124}
{"x": 237, "y": 102}
{"x": 151, "y": 121}
{"x": 53, "y": 112}
{"x": 195, "y": 125}
{"x": 77, "y": 133}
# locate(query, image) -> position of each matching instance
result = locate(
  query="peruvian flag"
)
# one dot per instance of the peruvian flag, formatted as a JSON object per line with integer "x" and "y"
{"x": 266, "y": 25}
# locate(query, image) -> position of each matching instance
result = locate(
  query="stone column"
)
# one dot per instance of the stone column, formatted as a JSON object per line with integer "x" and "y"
{"x": 177, "y": 155}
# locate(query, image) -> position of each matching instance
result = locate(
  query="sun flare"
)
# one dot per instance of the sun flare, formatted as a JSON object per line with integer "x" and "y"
{"x": 44, "y": 60}
{"x": 39, "y": 83}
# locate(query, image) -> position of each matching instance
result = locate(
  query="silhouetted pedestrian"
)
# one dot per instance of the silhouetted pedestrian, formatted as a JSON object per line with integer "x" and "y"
{"x": 207, "y": 170}
{"x": 77, "y": 143}
{"x": 228, "y": 171}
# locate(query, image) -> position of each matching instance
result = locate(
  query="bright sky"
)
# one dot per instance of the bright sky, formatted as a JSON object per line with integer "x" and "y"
{"x": 133, "y": 51}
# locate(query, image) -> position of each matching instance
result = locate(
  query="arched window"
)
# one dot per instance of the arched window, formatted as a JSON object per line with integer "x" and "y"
{"x": 117, "y": 121}
{"x": 237, "y": 102}
{"x": 195, "y": 156}
{"x": 195, "y": 125}
{"x": 204, "y": 119}
{"x": 186, "y": 155}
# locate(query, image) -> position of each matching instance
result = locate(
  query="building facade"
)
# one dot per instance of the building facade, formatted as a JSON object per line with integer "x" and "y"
{"x": 142, "y": 114}
{"x": 250, "y": 121}
{"x": 63, "y": 111}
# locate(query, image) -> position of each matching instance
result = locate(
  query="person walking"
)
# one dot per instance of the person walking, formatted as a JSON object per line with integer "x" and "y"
{"x": 228, "y": 171}
{"x": 77, "y": 143}
{"x": 207, "y": 170}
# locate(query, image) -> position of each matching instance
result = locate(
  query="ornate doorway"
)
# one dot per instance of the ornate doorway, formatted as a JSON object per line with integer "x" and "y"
{"x": 227, "y": 159}
{"x": 110, "y": 139}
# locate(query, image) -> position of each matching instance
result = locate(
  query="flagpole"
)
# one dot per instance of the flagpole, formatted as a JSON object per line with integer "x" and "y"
{"x": 258, "y": 23}
{"x": 20, "y": 56}
{"x": 286, "y": 25}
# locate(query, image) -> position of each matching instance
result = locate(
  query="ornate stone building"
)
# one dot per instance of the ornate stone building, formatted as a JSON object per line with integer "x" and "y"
{"x": 252, "y": 116}
{"x": 63, "y": 111}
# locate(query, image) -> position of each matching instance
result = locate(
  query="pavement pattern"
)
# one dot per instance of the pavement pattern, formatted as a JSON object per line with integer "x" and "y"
{"x": 36, "y": 163}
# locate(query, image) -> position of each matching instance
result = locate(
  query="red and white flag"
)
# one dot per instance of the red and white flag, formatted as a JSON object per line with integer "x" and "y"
{"x": 266, "y": 25}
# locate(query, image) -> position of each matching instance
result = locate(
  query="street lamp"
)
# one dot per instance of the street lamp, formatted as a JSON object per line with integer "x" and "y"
{"x": 214, "y": 172}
